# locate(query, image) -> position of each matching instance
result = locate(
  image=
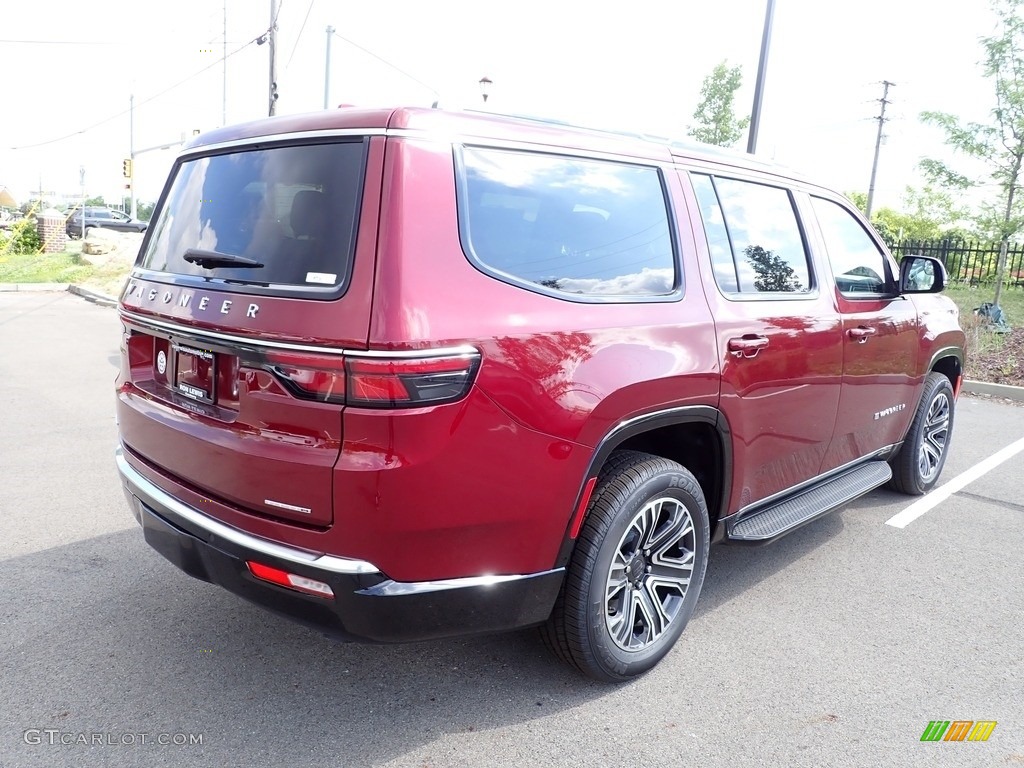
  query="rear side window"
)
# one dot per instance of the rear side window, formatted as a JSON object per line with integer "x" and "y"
{"x": 291, "y": 209}
{"x": 571, "y": 225}
{"x": 755, "y": 241}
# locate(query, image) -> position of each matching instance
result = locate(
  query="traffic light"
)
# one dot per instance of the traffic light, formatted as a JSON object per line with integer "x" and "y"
{"x": 126, "y": 168}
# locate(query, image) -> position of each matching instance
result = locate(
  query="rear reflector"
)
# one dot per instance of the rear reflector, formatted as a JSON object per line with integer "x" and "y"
{"x": 577, "y": 519}
{"x": 376, "y": 382}
{"x": 289, "y": 580}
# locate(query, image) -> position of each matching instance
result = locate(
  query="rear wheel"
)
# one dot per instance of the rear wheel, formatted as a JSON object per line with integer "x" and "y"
{"x": 636, "y": 572}
{"x": 917, "y": 466}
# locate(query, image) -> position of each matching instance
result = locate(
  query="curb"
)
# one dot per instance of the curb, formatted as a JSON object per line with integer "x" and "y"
{"x": 94, "y": 296}
{"x": 32, "y": 287}
{"x": 995, "y": 390}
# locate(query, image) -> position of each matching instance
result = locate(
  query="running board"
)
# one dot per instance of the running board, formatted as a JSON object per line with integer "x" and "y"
{"x": 810, "y": 504}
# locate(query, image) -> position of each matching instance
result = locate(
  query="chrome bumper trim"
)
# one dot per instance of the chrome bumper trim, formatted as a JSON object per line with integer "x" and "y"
{"x": 152, "y": 496}
{"x": 391, "y": 588}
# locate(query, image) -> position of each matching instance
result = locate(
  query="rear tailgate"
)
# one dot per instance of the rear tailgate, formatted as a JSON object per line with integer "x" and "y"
{"x": 212, "y": 389}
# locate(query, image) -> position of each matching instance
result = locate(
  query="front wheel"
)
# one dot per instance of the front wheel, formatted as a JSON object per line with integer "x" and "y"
{"x": 917, "y": 466}
{"x": 637, "y": 569}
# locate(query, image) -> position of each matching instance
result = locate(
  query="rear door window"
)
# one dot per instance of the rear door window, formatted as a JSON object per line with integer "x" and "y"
{"x": 754, "y": 237}
{"x": 292, "y": 210}
{"x": 568, "y": 225}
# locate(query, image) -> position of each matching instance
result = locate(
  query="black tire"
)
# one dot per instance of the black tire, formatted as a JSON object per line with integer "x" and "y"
{"x": 634, "y": 490}
{"x": 916, "y": 468}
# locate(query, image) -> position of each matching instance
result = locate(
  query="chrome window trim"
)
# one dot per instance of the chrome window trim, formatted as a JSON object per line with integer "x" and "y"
{"x": 281, "y": 137}
{"x": 201, "y": 333}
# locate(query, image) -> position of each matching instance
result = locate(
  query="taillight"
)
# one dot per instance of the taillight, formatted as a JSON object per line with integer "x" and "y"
{"x": 396, "y": 383}
{"x": 318, "y": 377}
{"x": 377, "y": 382}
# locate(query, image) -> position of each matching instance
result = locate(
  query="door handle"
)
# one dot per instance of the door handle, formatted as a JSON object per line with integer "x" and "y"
{"x": 747, "y": 346}
{"x": 861, "y": 333}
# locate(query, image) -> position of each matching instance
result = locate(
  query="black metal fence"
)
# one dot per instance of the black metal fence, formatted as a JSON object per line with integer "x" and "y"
{"x": 968, "y": 262}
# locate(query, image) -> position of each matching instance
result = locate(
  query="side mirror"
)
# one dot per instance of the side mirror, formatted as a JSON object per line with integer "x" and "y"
{"x": 921, "y": 274}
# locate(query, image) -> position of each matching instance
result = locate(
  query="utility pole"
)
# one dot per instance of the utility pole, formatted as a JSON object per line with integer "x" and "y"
{"x": 327, "y": 68}
{"x": 762, "y": 67}
{"x": 272, "y": 40}
{"x": 878, "y": 144}
{"x": 224, "y": 61}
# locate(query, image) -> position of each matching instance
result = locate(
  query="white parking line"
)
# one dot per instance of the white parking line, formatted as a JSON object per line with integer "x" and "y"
{"x": 943, "y": 492}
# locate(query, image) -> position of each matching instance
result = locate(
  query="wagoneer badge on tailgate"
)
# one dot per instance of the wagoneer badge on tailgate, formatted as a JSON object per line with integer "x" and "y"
{"x": 184, "y": 299}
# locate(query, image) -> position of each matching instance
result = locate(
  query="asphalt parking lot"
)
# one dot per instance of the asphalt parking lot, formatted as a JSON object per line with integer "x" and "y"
{"x": 835, "y": 646}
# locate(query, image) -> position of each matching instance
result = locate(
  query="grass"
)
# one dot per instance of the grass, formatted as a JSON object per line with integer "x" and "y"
{"x": 1011, "y": 301}
{"x": 43, "y": 268}
{"x": 65, "y": 267}
{"x": 990, "y": 356}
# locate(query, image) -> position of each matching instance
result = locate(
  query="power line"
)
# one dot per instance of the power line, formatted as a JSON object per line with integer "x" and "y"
{"x": 301, "y": 30}
{"x": 63, "y": 42}
{"x": 141, "y": 103}
{"x": 385, "y": 61}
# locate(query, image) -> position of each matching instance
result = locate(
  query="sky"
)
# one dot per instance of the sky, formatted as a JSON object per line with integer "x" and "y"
{"x": 70, "y": 73}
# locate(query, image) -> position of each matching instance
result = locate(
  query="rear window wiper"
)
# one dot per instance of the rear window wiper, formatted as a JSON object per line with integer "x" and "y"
{"x": 214, "y": 259}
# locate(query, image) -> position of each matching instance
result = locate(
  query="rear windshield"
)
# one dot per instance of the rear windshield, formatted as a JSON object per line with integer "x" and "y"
{"x": 291, "y": 209}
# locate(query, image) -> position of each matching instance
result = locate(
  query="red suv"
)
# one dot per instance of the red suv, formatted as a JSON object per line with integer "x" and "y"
{"x": 406, "y": 374}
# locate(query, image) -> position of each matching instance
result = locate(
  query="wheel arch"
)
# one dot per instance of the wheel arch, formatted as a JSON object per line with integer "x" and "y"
{"x": 949, "y": 361}
{"x": 697, "y": 437}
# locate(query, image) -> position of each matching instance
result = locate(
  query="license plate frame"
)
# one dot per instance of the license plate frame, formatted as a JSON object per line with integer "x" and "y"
{"x": 195, "y": 373}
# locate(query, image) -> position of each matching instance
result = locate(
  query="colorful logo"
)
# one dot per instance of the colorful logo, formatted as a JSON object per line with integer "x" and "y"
{"x": 958, "y": 730}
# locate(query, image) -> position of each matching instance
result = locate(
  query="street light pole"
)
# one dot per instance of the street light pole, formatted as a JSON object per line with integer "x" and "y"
{"x": 81, "y": 208}
{"x": 327, "y": 68}
{"x": 131, "y": 155}
{"x": 762, "y": 66}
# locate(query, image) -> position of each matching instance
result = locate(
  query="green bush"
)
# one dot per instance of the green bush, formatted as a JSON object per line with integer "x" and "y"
{"x": 24, "y": 238}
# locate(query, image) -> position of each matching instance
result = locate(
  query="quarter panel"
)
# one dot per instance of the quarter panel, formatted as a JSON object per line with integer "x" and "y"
{"x": 571, "y": 370}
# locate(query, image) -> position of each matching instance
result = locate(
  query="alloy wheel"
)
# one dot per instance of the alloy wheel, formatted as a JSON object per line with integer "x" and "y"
{"x": 934, "y": 437}
{"x": 649, "y": 574}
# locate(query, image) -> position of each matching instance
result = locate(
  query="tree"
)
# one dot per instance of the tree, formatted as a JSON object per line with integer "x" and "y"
{"x": 772, "y": 272}
{"x": 143, "y": 210}
{"x": 999, "y": 144}
{"x": 926, "y": 214}
{"x": 715, "y": 117}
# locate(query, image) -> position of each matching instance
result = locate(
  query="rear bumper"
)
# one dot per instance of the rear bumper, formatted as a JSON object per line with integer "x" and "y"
{"x": 367, "y": 605}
